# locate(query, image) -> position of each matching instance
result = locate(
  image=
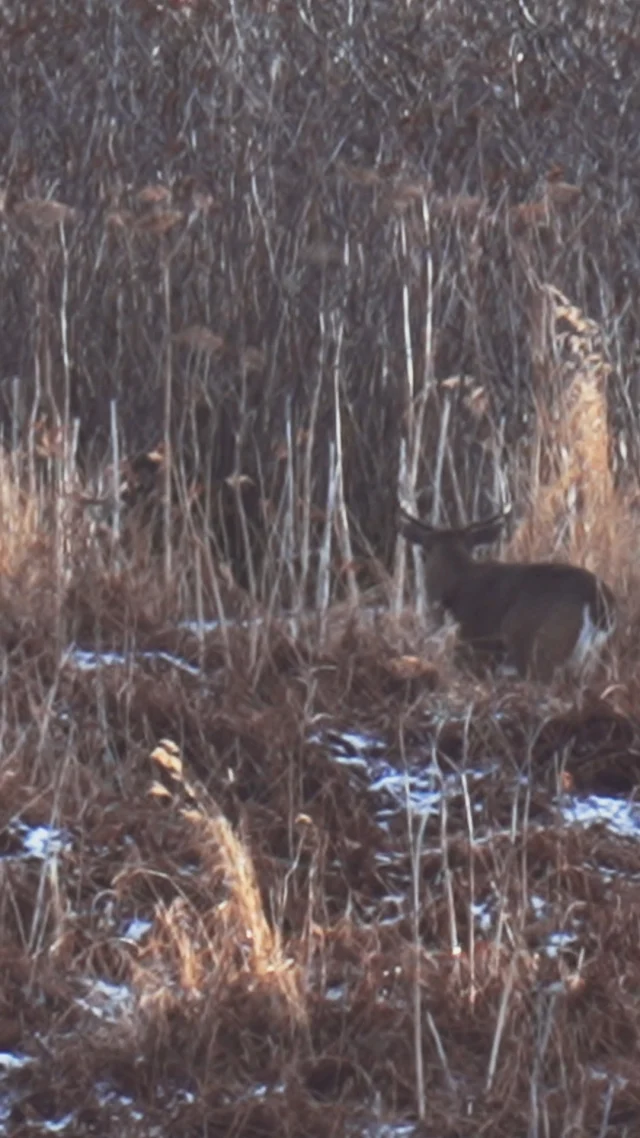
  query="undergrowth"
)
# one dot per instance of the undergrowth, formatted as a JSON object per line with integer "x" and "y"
{"x": 313, "y": 960}
{"x": 271, "y": 861}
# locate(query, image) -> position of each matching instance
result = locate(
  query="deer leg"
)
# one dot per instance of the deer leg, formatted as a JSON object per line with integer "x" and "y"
{"x": 518, "y": 631}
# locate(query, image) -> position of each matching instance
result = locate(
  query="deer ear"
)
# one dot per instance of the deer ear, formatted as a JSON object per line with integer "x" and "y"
{"x": 486, "y": 532}
{"x": 413, "y": 529}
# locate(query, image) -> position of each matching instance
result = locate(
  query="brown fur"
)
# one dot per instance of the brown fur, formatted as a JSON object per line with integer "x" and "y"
{"x": 531, "y": 613}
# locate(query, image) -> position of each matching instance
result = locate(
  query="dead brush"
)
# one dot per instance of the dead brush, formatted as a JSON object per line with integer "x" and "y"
{"x": 573, "y": 503}
{"x": 241, "y": 923}
{"x": 405, "y": 995}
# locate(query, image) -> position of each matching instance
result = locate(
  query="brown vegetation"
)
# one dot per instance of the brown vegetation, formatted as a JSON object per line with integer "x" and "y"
{"x": 322, "y": 943}
{"x": 271, "y": 863}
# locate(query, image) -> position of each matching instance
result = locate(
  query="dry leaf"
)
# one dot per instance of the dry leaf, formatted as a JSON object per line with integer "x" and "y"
{"x": 411, "y": 668}
{"x": 478, "y": 402}
{"x": 44, "y": 214}
{"x": 167, "y": 755}
{"x": 159, "y": 223}
{"x": 204, "y": 203}
{"x": 460, "y": 205}
{"x": 200, "y": 338}
{"x": 154, "y": 194}
{"x": 123, "y": 218}
{"x": 361, "y": 175}
{"x": 237, "y": 480}
{"x": 562, "y": 193}
{"x": 49, "y": 441}
{"x": 253, "y": 359}
{"x": 322, "y": 253}
{"x": 157, "y": 790}
{"x": 405, "y": 193}
{"x": 531, "y": 213}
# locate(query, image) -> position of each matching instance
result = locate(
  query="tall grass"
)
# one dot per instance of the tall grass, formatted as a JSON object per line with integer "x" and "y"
{"x": 266, "y": 271}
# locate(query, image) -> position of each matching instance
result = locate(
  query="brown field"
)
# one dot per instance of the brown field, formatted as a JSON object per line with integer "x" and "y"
{"x": 271, "y": 861}
{"x": 362, "y": 901}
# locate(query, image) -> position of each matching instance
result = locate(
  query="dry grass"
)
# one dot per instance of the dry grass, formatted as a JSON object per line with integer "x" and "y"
{"x": 317, "y": 955}
{"x": 263, "y": 268}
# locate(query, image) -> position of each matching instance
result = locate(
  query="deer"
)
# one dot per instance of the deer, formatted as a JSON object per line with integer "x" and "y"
{"x": 534, "y": 617}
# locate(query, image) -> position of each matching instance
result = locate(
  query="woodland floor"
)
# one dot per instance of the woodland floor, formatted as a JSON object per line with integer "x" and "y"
{"x": 249, "y": 888}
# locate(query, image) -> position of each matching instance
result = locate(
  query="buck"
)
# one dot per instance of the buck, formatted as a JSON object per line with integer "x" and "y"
{"x": 536, "y": 617}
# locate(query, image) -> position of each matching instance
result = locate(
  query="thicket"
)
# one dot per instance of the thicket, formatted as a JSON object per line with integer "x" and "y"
{"x": 263, "y": 268}
{"x": 280, "y": 238}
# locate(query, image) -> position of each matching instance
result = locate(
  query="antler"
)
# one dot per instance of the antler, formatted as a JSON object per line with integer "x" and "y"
{"x": 414, "y": 529}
